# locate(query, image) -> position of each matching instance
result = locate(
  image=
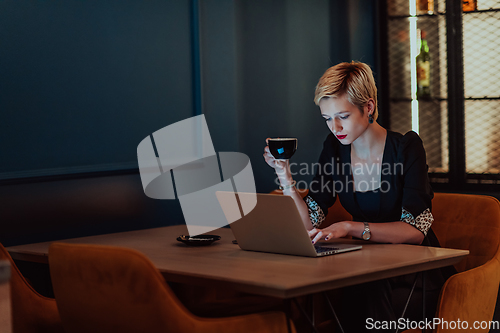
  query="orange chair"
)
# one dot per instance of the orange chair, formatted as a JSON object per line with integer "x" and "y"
{"x": 468, "y": 222}
{"x": 111, "y": 289}
{"x": 31, "y": 312}
{"x": 5, "y": 302}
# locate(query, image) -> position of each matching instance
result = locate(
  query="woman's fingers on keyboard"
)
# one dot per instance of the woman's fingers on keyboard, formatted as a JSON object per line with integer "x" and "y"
{"x": 312, "y": 232}
{"x": 318, "y": 236}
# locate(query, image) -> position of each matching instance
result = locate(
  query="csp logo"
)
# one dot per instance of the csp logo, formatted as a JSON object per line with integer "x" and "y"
{"x": 179, "y": 162}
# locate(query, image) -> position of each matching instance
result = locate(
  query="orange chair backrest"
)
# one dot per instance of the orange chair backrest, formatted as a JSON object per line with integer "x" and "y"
{"x": 31, "y": 312}
{"x": 5, "y": 302}
{"x": 102, "y": 289}
{"x": 468, "y": 222}
{"x": 111, "y": 289}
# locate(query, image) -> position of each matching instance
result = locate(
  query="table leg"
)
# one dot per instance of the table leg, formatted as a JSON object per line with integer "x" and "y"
{"x": 333, "y": 311}
{"x": 311, "y": 306}
{"x": 288, "y": 313}
{"x": 408, "y": 299}
{"x": 305, "y": 315}
{"x": 423, "y": 299}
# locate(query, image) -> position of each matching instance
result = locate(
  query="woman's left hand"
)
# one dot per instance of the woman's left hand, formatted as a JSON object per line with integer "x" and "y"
{"x": 336, "y": 230}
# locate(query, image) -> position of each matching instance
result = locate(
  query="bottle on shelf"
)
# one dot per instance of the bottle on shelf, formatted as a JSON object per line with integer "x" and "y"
{"x": 423, "y": 68}
{"x": 425, "y": 7}
{"x": 469, "y": 5}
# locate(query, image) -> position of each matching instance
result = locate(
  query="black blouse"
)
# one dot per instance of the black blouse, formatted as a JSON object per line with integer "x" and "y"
{"x": 405, "y": 193}
{"x": 368, "y": 203}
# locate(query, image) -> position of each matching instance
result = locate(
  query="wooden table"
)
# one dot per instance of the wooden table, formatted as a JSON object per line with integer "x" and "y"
{"x": 283, "y": 276}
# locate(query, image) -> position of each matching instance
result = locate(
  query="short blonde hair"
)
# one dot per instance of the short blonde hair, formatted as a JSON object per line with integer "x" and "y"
{"x": 354, "y": 79}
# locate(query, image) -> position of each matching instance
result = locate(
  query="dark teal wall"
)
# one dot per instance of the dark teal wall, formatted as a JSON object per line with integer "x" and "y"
{"x": 220, "y": 70}
{"x": 83, "y": 82}
{"x": 353, "y": 31}
{"x": 261, "y": 61}
{"x": 285, "y": 50}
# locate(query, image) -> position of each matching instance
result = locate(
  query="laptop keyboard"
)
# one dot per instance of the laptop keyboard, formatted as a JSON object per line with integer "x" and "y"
{"x": 321, "y": 249}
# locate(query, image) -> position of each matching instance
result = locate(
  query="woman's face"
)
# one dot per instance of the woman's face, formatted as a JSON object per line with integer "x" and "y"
{"x": 344, "y": 119}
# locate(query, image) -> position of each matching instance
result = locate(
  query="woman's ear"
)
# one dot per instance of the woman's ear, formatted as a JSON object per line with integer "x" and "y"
{"x": 370, "y": 104}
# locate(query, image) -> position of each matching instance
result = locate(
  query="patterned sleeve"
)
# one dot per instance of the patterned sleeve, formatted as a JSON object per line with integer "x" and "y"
{"x": 315, "y": 212}
{"x": 321, "y": 195}
{"x": 422, "y": 222}
{"x": 417, "y": 192}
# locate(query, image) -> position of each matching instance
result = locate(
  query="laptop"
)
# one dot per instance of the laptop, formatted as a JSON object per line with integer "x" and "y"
{"x": 275, "y": 226}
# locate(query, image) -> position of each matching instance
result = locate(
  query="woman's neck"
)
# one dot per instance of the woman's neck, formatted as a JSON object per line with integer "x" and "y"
{"x": 371, "y": 142}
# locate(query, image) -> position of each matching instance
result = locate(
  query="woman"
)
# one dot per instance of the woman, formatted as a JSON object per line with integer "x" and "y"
{"x": 379, "y": 176}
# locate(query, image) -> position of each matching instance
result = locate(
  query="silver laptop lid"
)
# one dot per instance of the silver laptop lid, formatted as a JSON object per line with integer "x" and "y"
{"x": 274, "y": 225}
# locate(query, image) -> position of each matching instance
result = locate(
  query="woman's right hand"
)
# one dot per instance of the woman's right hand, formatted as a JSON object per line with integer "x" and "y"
{"x": 282, "y": 167}
{"x": 270, "y": 160}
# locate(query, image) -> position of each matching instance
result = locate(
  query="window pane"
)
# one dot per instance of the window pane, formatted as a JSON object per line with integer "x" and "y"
{"x": 482, "y": 136}
{"x": 481, "y": 42}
